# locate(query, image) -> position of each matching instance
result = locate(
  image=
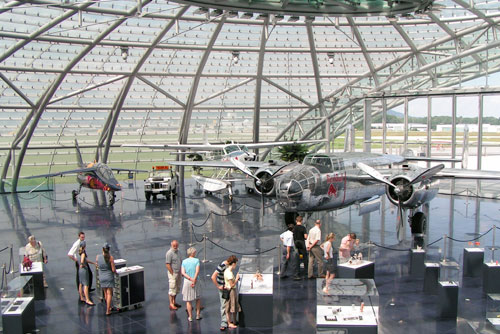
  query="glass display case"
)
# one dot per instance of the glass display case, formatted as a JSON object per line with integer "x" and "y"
{"x": 449, "y": 271}
{"x": 18, "y": 308}
{"x": 493, "y": 309}
{"x": 350, "y": 304}
{"x": 256, "y": 291}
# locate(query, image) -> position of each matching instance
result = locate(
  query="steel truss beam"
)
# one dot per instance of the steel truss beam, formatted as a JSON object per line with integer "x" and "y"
{"x": 109, "y": 127}
{"x": 44, "y": 100}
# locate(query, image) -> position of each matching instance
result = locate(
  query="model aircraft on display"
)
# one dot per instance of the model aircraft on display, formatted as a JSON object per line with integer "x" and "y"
{"x": 94, "y": 175}
{"x": 221, "y": 157}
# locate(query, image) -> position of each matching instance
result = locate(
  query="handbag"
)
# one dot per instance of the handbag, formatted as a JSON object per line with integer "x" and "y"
{"x": 225, "y": 294}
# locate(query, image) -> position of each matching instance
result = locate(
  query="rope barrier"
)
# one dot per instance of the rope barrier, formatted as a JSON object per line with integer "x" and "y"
{"x": 482, "y": 235}
{"x": 239, "y": 253}
{"x": 194, "y": 234}
{"x": 432, "y": 243}
{"x": 389, "y": 248}
{"x": 206, "y": 220}
{"x": 1, "y": 250}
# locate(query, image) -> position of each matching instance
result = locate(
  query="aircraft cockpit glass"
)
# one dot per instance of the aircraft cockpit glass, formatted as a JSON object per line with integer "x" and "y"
{"x": 321, "y": 162}
{"x": 104, "y": 172}
{"x": 243, "y": 148}
{"x": 231, "y": 148}
{"x": 293, "y": 185}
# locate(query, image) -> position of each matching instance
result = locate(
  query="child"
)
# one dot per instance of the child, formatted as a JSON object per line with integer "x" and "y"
{"x": 331, "y": 264}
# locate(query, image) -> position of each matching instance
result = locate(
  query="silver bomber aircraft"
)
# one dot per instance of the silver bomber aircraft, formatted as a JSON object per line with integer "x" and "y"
{"x": 337, "y": 180}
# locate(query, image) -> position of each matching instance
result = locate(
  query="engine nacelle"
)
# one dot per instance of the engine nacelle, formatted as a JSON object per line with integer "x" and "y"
{"x": 266, "y": 185}
{"x": 411, "y": 196}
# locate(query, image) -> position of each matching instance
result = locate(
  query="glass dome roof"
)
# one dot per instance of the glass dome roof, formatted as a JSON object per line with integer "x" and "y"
{"x": 115, "y": 72}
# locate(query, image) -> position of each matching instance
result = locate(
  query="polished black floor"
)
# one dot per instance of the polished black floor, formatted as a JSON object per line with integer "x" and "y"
{"x": 141, "y": 232}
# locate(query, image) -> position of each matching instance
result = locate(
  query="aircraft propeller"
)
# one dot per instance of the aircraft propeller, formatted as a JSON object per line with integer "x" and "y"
{"x": 401, "y": 188}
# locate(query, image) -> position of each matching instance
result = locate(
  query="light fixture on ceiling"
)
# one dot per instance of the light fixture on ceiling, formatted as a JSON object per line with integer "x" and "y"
{"x": 247, "y": 16}
{"x": 293, "y": 19}
{"x": 217, "y": 12}
{"x": 392, "y": 18}
{"x": 124, "y": 52}
{"x": 232, "y": 13}
{"x": 262, "y": 16}
{"x": 236, "y": 56}
{"x": 201, "y": 11}
{"x": 331, "y": 57}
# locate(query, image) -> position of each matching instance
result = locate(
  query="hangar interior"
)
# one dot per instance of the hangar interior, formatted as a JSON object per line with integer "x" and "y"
{"x": 369, "y": 76}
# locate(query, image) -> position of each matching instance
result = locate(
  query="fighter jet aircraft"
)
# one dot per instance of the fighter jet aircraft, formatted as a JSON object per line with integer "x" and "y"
{"x": 94, "y": 175}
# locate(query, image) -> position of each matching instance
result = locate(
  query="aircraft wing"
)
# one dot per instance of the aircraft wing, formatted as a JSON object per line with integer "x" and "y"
{"x": 282, "y": 143}
{"x": 456, "y": 173}
{"x": 129, "y": 170}
{"x": 186, "y": 147}
{"x": 73, "y": 171}
{"x": 218, "y": 164}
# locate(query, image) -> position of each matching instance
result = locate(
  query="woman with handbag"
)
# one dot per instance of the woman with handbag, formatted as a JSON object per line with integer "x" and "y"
{"x": 36, "y": 253}
{"x": 232, "y": 305}
{"x": 83, "y": 274}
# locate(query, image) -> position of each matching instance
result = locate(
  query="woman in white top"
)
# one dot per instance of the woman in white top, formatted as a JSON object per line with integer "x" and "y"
{"x": 330, "y": 259}
{"x": 232, "y": 304}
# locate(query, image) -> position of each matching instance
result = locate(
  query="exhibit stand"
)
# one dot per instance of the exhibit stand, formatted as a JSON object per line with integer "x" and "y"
{"x": 36, "y": 272}
{"x": 431, "y": 277}
{"x": 356, "y": 269}
{"x": 491, "y": 277}
{"x": 348, "y": 305}
{"x": 448, "y": 299}
{"x": 417, "y": 263}
{"x": 18, "y": 306}
{"x": 473, "y": 262}
{"x": 129, "y": 288}
{"x": 256, "y": 291}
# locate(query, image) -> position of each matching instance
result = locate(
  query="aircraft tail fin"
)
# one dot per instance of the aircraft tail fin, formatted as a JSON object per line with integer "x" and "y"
{"x": 79, "y": 155}
{"x": 465, "y": 148}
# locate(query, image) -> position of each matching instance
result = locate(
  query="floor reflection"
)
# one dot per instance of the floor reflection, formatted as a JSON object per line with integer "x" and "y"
{"x": 141, "y": 231}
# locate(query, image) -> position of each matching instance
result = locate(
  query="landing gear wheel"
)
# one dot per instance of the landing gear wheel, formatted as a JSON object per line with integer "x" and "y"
{"x": 148, "y": 196}
{"x": 418, "y": 223}
{"x": 154, "y": 197}
{"x": 250, "y": 190}
{"x": 231, "y": 198}
{"x": 112, "y": 197}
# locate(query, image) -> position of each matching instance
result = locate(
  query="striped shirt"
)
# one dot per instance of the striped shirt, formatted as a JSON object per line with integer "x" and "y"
{"x": 220, "y": 272}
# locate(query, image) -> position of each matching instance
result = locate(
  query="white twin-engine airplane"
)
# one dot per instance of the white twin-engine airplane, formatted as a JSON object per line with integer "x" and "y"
{"x": 221, "y": 157}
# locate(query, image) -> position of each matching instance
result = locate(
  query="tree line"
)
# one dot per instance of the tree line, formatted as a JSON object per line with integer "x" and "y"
{"x": 436, "y": 120}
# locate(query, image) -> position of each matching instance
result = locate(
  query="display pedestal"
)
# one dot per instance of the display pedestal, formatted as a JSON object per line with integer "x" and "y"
{"x": 256, "y": 301}
{"x": 18, "y": 315}
{"x": 347, "y": 318}
{"x": 417, "y": 266}
{"x": 360, "y": 269}
{"x": 431, "y": 278}
{"x": 491, "y": 277}
{"x": 473, "y": 262}
{"x": 37, "y": 273}
{"x": 129, "y": 287}
{"x": 493, "y": 310}
{"x": 448, "y": 299}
